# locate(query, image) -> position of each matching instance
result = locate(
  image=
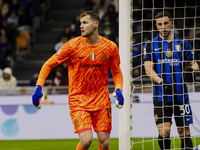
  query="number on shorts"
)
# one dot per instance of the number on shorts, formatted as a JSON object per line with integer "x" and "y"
{"x": 185, "y": 109}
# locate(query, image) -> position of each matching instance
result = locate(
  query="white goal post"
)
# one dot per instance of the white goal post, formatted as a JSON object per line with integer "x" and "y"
{"x": 125, "y": 56}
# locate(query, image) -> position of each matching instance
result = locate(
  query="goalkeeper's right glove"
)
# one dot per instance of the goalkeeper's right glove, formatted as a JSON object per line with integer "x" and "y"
{"x": 120, "y": 99}
{"x": 167, "y": 87}
{"x": 37, "y": 95}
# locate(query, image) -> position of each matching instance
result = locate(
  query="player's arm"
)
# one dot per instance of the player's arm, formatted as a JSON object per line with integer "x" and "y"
{"x": 46, "y": 68}
{"x": 117, "y": 77}
{"x": 118, "y": 82}
{"x": 148, "y": 65}
{"x": 167, "y": 87}
{"x": 61, "y": 56}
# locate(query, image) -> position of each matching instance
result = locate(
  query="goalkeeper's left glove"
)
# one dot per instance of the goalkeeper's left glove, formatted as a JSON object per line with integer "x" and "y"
{"x": 37, "y": 95}
{"x": 120, "y": 99}
{"x": 188, "y": 75}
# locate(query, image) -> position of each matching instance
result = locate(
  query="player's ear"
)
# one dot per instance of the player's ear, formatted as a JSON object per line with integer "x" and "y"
{"x": 172, "y": 24}
{"x": 96, "y": 23}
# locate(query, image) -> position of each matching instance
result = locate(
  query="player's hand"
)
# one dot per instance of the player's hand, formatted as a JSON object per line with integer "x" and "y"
{"x": 37, "y": 95}
{"x": 167, "y": 87}
{"x": 188, "y": 75}
{"x": 119, "y": 98}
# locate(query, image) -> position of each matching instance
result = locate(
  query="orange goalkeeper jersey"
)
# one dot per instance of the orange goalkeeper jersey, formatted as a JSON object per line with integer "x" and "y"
{"x": 87, "y": 70}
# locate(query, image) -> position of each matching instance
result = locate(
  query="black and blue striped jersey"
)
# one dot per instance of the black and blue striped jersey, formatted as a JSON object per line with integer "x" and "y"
{"x": 169, "y": 62}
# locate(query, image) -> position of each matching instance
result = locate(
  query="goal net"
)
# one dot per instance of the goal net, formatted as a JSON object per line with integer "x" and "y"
{"x": 186, "y": 25}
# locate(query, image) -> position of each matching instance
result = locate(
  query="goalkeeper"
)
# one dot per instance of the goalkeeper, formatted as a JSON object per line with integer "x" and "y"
{"x": 88, "y": 57}
{"x": 164, "y": 60}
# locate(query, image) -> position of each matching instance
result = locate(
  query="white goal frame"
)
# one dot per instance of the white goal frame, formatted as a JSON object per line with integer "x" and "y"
{"x": 125, "y": 56}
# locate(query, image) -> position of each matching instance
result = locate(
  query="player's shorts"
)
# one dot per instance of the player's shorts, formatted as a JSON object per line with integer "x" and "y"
{"x": 101, "y": 120}
{"x": 163, "y": 112}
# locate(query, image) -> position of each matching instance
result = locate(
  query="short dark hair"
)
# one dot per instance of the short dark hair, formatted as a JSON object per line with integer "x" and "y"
{"x": 93, "y": 15}
{"x": 163, "y": 14}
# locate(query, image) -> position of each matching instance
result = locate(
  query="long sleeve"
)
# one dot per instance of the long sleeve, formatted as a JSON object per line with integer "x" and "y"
{"x": 117, "y": 77}
{"x": 46, "y": 68}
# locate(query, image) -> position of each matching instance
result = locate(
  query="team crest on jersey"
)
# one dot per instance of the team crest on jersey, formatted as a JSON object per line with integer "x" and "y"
{"x": 178, "y": 47}
{"x": 104, "y": 56}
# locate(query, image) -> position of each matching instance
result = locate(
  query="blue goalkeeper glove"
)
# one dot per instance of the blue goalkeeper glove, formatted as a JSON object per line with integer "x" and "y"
{"x": 36, "y": 96}
{"x": 120, "y": 99}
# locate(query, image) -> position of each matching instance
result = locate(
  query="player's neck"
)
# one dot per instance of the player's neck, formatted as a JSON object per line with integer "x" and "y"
{"x": 93, "y": 39}
{"x": 168, "y": 38}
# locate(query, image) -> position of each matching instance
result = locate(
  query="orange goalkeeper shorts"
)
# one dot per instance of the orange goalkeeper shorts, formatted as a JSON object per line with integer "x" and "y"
{"x": 83, "y": 120}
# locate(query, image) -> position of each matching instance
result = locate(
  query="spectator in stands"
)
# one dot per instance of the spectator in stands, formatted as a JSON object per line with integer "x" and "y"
{"x": 8, "y": 81}
{"x": 65, "y": 69}
{"x": 75, "y": 26}
{"x": 59, "y": 80}
{"x": 105, "y": 21}
{"x": 112, "y": 14}
{"x": 34, "y": 78}
{"x": 6, "y": 52}
{"x": 8, "y": 31}
{"x": 109, "y": 32}
{"x": 4, "y": 9}
{"x": 62, "y": 41}
{"x": 25, "y": 22}
{"x": 14, "y": 5}
{"x": 12, "y": 20}
{"x": 89, "y": 4}
{"x": 34, "y": 10}
{"x": 136, "y": 53}
{"x": 136, "y": 49}
{"x": 23, "y": 2}
{"x": 66, "y": 32}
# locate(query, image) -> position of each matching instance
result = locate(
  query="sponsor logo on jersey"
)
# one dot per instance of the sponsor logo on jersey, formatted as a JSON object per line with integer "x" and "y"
{"x": 172, "y": 62}
{"x": 92, "y": 65}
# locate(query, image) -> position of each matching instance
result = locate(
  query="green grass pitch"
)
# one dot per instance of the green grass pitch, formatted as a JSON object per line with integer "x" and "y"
{"x": 139, "y": 144}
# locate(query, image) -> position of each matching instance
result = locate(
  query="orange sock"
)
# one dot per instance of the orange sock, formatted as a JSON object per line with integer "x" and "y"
{"x": 79, "y": 147}
{"x": 104, "y": 149}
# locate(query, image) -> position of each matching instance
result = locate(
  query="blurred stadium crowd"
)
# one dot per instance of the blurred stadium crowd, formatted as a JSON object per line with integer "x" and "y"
{"x": 21, "y": 20}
